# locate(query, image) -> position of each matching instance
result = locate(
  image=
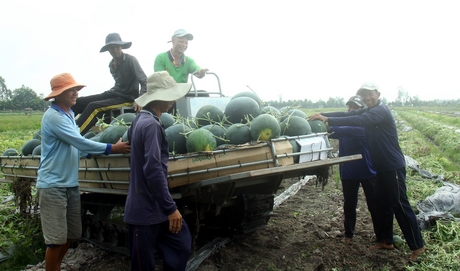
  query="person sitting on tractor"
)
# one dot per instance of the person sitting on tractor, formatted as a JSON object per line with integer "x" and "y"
{"x": 128, "y": 75}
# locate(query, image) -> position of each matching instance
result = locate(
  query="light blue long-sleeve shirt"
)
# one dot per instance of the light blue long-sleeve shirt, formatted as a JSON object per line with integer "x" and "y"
{"x": 62, "y": 146}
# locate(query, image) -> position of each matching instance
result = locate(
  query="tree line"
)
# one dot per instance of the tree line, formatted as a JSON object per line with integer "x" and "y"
{"x": 23, "y": 98}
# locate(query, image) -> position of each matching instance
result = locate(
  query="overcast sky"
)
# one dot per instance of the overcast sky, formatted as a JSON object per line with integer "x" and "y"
{"x": 294, "y": 49}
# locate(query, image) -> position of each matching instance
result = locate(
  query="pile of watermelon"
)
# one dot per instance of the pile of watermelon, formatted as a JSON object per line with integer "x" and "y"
{"x": 244, "y": 120}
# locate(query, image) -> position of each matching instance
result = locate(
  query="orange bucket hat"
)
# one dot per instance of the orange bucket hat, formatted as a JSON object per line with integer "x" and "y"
{"x": 61, "y": 83}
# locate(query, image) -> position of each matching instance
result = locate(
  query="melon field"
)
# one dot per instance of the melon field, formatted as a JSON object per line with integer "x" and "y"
{"x": 304, "y": 232}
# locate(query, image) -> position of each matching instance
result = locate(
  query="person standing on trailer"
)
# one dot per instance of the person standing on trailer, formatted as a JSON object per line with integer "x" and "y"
{"x": 128, "y": 75}
{"x": 57, "y": 178}
{"x": 154, "y": 222}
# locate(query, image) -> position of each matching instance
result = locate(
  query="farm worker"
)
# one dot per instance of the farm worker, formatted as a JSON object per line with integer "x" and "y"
{"x": 154, "y": 222}
{"x": 174, "y": 60}
{"x": 128, "y": 75}
{"x": 388, "y": 161}
{"x": 352, "y": 140}
{"x": 176, "y": 63}
{"x": 57, "y": 181}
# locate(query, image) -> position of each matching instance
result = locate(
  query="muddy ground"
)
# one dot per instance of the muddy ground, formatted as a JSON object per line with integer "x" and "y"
{"x": 304, "y": 233}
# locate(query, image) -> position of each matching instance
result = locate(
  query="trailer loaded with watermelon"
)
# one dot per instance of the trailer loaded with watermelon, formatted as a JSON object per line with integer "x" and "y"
{"x": 228, "y": 158}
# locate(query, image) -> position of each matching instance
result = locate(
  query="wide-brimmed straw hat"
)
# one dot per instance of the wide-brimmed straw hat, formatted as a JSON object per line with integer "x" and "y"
{"x": 114, "y": 38}
{"x": 162, "y": 87}
{"x": 61, "y": 83}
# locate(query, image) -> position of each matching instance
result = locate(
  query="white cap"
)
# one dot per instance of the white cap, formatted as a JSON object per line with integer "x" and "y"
{"x": 367, "y": 86}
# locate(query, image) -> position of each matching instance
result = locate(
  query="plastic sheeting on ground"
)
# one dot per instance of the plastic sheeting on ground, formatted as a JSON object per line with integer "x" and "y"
{"x": 443, "y": 204}
{"x": 413, "y": 164}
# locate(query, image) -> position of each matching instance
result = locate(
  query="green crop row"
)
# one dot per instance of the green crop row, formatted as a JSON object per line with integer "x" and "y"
{"x": 451, "y": 119}
{"x": 446, "y": 139}
{"x": 442, "y": 240}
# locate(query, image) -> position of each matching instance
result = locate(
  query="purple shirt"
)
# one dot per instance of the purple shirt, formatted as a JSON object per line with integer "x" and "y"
{"x": 149, "y": 201}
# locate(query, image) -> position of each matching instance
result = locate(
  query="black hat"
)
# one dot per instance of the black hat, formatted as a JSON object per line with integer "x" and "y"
{"x": 114, "y": 38}
{"x": 356, "y": 100}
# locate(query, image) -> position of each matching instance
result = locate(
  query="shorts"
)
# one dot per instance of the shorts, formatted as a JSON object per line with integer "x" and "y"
{"x": 60, "y": 214}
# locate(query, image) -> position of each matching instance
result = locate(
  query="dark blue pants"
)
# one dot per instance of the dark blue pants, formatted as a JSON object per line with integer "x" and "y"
{"x": 391, "y": 199}
{"x": 173, "y": 249}
{"x": 350, "y": 190}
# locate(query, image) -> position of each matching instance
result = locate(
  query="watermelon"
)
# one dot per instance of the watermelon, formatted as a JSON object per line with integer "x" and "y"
{"x": 191, "y": 122}
{"x": 37, "y": 150}
{"x": 125, "y": 118}
{"x": 398, "y": 241}
{"x": 200, "y": 140}
{"x": 209, "y": 114}
{"x": 283, "y": 110}
{"x": 249, "y": 94}
{"x": 295, "y": 126}
{"x": 240, "y": 108}
{"x": 270, "y": 110}
{"x": 317, "y": 126}
{"x": 176, "y": 135}
{"x": 29, "y": 146}
{"x": 38, "y": 135}
{"x": 295, "y": 148}
{"x": 167, "y": 119}
{"x": 124, "y": 138}
{"x": 218, "y": 132}
{"x": 293, "y": 112}
{"x": 89, "y": 135}
{"x": 112, "y": 134}
{"x": 238, "y": 133}
{"x": 96, "y": 138}
{"x": 265, "y": 127}
{"x": 10, "y": 152}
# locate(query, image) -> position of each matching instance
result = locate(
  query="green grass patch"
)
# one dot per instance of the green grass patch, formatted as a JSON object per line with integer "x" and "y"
{"x": 20, "y": 234}
{"x": 451, "y": 120}
{"x": 443, "y": 244}
{"x": 446, "y": 139}
{"x": 16, "y": 129}
{"x": 17, "y": 122}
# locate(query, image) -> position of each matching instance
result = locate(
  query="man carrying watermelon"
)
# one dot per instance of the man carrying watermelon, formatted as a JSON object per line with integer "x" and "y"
{"x": 352, "y": 140}
{"x": 388, "y": 161}
{"x": 128, "y": 75}
{"x": 154, "y": 222}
